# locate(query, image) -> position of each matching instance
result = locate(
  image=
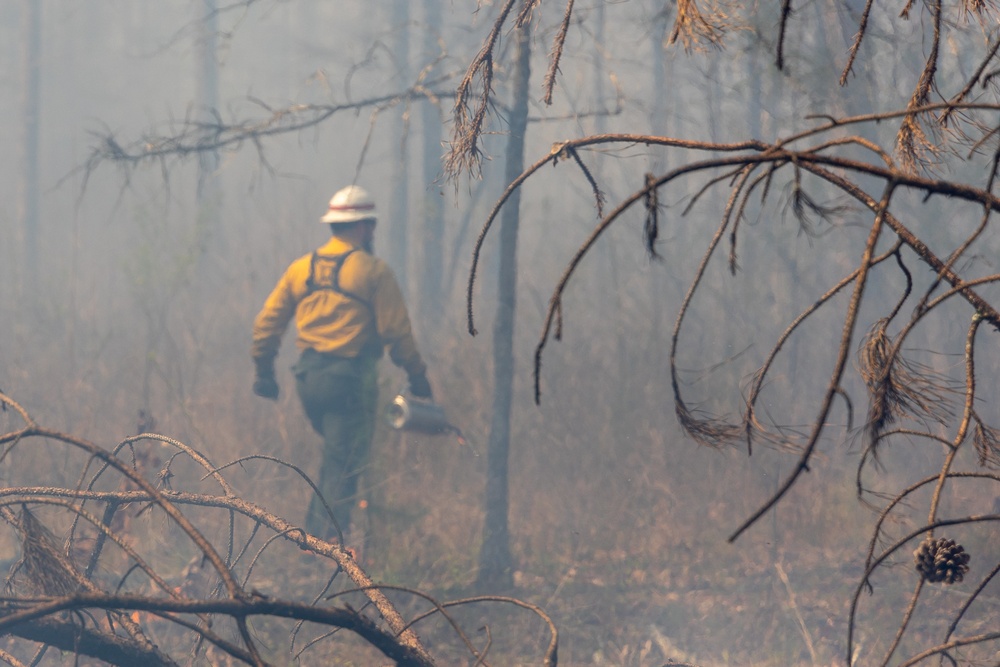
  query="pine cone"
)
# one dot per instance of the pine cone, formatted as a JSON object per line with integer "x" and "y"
{"x": 923, "y": 557}
{"x": 941, "y": 559}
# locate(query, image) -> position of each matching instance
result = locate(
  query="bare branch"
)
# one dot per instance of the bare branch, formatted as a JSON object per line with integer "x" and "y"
{"x": 464, "y": 154}
{"x": 556, "y": 53}
{"x": 697, "y": 29}
{"x": 856, "y": 44}
{"x": 193, "y": 137}
{"x": 847, "y": 333}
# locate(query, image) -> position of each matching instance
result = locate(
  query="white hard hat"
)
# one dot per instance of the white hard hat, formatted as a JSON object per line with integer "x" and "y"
{"x": 350, "y": 204}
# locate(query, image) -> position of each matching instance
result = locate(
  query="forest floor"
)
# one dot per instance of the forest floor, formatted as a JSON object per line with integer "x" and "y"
{"x": 694, "y": 612}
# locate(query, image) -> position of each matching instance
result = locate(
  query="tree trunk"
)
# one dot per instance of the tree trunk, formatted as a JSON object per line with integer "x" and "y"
{"x": 209, "y": 196}
{"x": 600, "y": 70}
{"x": 430, "y": 297}
{"x": 27, "y": 191}
{"x": 399, "y": 218}
{"x": 495, "y": 563}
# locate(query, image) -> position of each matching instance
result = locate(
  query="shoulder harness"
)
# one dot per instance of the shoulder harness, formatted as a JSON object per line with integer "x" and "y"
{"x": 324, "y": 274}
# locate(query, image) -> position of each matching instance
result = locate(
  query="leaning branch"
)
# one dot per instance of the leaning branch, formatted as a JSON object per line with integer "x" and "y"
{"x": 388, "y": 643}
{"x": 194, "y": 137}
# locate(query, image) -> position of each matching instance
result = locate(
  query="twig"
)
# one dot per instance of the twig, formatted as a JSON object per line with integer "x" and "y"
{"x": 798, "y": 614}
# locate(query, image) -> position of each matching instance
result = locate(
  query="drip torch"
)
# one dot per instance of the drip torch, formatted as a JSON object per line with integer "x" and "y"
{"x": 406, "y": 413}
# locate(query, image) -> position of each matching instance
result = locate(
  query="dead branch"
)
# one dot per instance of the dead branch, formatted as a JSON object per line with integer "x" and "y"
{"x": 888, "y": 552}
{"x": 562, "y": 150}
{"x": 191, "y": 137}
{"x": 73, "y": 638}
{"x": 850, "y": 322}
{"x": 464, "y": 154}
{"x": 558, "y": 43}
{"x": 696, "y": 29}
{"x": 257, "y": 605}
{"x": 53, "y": 599}
{"x": 899, "y": 387}
{"x": 912, "y": 144}
{"x": 750, "y": 422}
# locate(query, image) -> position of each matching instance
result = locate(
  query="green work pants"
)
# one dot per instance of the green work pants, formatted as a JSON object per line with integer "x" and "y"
{"x": 340, "y": 397}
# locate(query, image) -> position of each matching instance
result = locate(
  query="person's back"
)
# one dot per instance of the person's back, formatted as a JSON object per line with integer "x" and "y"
{"x": 348, "y": 309}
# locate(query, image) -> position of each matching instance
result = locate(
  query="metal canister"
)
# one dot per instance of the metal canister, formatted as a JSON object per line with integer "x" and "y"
{"x": 410, "y": 414}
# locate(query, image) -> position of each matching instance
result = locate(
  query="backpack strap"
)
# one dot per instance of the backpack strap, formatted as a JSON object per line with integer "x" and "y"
{"x": 328, "y": 278}
{"x": 333, "y": 282}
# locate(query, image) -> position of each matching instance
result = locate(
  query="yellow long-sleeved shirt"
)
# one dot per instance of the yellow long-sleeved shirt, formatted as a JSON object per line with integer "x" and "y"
{"x": 367, "y": 312}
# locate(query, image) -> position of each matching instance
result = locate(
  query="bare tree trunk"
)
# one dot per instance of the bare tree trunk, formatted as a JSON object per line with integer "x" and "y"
{"x": 662, "y": 122}
{"x": 208, "y": 192}
{"x": 27, "y": 191}
{"x": 495, "y": 563}
{"x": 607, "y": 251}
{"x": 600, "y": 70}
{"x": 661, "y": 83}
{"x": 430, "y": 297}
{"x": 399, "y": 218}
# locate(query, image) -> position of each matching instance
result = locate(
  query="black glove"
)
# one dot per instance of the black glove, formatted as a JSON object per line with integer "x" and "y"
{"x": 420, "y": 387}
{"x": 266, "y": 386}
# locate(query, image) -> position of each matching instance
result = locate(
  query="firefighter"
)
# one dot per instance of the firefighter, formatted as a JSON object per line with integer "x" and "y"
{"x": 348, "y": 310}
